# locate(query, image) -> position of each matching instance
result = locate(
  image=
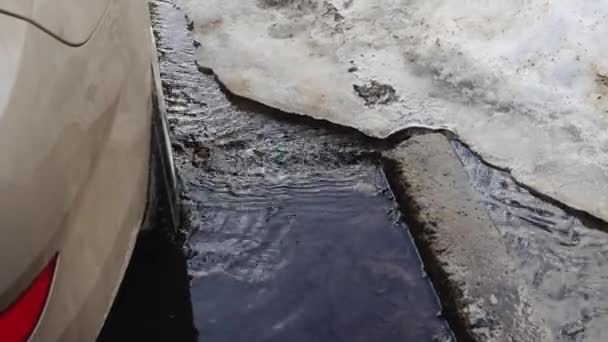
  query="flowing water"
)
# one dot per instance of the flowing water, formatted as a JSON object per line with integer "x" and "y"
{"x": 562, "y": 257}
{"x": 294, "y": 233}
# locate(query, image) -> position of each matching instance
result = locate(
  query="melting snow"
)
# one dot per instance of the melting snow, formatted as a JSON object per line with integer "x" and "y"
{"x": 524, "y": 83}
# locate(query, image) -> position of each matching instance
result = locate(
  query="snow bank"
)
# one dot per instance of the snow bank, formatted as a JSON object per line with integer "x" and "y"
{"x": 525, "y": 83}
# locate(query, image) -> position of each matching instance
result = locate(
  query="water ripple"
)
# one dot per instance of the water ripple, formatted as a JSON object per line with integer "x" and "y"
{"x": 293, "y": 231}
{"x": 565, "y": 261}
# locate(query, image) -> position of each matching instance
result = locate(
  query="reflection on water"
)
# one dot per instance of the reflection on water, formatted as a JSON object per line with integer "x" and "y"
{"x": 294, "y": 233}
{"x": 565, "y": 261}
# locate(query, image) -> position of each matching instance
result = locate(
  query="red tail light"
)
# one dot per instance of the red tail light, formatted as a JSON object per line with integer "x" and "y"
{"x": 18, "y": 321}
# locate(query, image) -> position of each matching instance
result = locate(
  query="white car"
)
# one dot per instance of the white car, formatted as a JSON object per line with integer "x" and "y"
{"x": 85, "y": 160}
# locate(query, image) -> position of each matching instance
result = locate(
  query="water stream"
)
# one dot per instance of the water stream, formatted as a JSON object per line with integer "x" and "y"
{"x": 295, "y": 234}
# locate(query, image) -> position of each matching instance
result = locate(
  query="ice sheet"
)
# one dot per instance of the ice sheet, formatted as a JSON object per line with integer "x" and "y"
{"x": 524, "y": 83}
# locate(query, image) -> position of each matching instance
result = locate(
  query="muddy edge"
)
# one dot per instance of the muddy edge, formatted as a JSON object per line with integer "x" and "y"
{"x": 482, "y": 295}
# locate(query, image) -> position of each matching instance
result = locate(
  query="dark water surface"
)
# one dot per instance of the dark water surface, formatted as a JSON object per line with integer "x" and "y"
{"x": 294, "y": 232}
{"x": 323, "y": 266}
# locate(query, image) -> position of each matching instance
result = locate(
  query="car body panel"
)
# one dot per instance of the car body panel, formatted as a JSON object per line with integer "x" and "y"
{"x": 72, "y": 20}
{"x": 75, "y": 127}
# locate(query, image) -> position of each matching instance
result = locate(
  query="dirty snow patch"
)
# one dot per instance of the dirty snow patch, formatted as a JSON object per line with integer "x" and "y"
{"x": 525, "y": 83}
